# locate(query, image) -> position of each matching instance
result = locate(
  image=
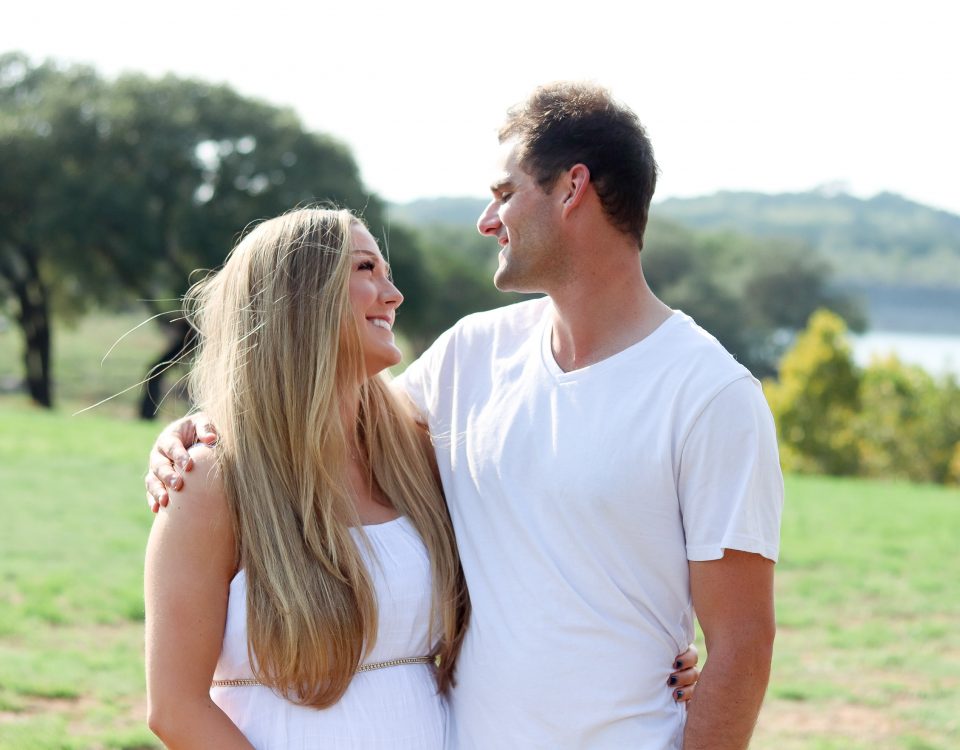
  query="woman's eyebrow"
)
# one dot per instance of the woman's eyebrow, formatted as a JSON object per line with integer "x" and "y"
{"x": 374, "y": 256}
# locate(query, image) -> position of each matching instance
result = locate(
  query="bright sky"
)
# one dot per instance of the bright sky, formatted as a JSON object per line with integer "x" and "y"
{"x": 737, "y": 94}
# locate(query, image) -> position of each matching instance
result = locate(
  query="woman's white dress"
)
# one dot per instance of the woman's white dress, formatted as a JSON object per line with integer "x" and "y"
{"x": 395, "y": 707}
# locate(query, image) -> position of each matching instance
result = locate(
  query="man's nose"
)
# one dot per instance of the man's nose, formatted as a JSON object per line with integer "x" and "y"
{"x": 489, "y": 222}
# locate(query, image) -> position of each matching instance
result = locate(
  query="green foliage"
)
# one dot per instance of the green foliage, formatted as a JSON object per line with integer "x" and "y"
{"x": 113, "y": 191}
{"x": 890, "y": 420}
{"x": 815, "y": 400}
{"x": 909, "y": 424}
{"x": 750, "y": 293}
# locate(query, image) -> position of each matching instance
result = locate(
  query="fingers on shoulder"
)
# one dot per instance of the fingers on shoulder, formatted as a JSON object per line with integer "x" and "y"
{"x": 204, "y": 457}
{"x": 203, "y": 494}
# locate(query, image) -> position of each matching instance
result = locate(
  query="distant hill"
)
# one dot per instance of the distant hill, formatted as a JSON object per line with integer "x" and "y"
{"x": 901, "y": 258}
{"x": 446, "y": 211}
{"x": 886, "y": 239}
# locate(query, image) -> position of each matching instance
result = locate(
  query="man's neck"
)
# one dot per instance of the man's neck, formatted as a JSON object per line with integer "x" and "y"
{"x": 606, "y": 310}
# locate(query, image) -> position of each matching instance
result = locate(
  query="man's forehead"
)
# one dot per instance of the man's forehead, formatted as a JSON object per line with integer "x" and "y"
{"x": 507, "y": 168}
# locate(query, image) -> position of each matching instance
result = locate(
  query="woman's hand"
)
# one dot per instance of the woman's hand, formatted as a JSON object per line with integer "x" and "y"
{"x": 683, "y": 680}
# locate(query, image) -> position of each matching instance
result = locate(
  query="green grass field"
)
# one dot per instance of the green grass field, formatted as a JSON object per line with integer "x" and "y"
{"x": 868, "y": 586}
{"x": 71, "y": 565}
{"x": 868, "y": 600}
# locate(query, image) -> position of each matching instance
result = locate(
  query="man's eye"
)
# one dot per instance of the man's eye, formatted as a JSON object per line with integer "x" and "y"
{"x": 504, "y": 197}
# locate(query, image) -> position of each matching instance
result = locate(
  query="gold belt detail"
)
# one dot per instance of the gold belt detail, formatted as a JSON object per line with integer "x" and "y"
{"x": 362, "y": 668}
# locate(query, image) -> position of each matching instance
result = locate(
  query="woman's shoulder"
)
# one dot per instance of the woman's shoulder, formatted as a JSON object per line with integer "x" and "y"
{"x": 204, "y": 456}
{"x": 196, "y": 526}
{"x": 202, "y": 492}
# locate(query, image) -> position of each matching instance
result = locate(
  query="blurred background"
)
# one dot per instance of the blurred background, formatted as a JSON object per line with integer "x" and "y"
{"x": 807, "y": 214}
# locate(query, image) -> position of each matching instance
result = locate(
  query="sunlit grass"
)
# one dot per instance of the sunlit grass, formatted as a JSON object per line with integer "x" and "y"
{"x": 71, "y": 607}
{"x": 868, "y": 603}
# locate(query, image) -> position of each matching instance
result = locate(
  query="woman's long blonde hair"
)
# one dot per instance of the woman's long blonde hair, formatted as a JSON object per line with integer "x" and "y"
{"x": 279, "y": 352}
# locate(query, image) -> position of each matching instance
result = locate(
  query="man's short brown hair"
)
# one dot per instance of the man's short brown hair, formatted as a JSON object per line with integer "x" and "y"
{"x": 563, "y": 124}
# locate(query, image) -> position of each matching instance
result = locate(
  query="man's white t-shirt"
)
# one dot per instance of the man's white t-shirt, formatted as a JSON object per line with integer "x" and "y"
{"x": 578, "y": 499}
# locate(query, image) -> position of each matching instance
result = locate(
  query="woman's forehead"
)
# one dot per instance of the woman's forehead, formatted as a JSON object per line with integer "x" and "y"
{"x": 363, "y": 241}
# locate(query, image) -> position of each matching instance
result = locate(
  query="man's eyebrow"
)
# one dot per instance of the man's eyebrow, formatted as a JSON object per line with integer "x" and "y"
{"x": 500, "y": 185}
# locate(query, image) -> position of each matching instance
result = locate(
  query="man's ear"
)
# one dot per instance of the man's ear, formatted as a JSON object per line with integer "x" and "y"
{"x": 573, "y": 185}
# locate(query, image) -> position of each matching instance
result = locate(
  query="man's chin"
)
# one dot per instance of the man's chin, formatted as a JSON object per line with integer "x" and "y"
{"x": 506, "y": 282}
{"x": 503, "y": 282}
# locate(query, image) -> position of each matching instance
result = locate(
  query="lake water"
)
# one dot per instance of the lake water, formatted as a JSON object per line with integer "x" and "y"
{"x": 938, "y": 354}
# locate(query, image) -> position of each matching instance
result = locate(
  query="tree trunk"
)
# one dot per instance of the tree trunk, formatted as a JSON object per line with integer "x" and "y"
{"x": 183, "y": 338}
{"x": 21, "y": 269}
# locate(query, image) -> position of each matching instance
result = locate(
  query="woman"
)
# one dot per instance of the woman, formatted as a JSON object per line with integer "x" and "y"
{"x": 312, "y": 541}
{"x": 301, "y": 583}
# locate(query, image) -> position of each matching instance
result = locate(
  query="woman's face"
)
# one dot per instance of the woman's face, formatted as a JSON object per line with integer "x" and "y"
{"x": 374, "y": 300}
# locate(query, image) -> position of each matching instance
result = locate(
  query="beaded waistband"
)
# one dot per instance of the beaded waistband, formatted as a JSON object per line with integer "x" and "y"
{"x": 369, "y": 667}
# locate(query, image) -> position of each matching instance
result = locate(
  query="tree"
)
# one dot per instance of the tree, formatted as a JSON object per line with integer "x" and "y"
{"x": 816, "y": 400}
{"x": 144, "y": 181}
{"x": 193, "y": 164}
{"x": 909, "y": 424}
{"x": 752, "y": 294}
{"x": 44, "y": 120}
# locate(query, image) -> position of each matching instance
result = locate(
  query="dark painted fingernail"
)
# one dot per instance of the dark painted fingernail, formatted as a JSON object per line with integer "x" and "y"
{"x": 673, "y": 680}
{"x": 677, "y": 664}
{"x": 679, "y": 694}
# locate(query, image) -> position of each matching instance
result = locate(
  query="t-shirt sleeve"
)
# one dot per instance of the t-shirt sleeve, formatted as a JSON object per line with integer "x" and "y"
{"x": 419, "y": 380}
{"x": 410, "y": 383}
{"x": 730, "y": 484}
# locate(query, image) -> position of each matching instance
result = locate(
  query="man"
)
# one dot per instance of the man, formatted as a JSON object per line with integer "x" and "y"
{"x": 608, "y": 466}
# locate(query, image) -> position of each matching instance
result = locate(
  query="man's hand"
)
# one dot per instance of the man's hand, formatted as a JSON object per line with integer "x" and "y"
{"x": 169, "y": 459}
{"x": 683, "y": 680}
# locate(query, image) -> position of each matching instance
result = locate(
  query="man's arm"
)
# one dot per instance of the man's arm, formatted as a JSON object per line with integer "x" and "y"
{"x": 733, "y": 599}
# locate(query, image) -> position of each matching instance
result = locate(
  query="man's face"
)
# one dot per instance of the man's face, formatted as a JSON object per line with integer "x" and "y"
{"x": 524, "y": 220}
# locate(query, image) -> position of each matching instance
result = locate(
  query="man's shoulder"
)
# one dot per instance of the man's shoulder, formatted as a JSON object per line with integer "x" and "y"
{"x": 519, "y": 317}
{"x": 477, "y": 337}
{"x": 694, "y": 340}
{"x": 697, "y": 358}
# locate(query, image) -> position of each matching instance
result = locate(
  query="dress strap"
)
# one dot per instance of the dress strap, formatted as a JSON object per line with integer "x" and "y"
{"x": 362, "y": 668}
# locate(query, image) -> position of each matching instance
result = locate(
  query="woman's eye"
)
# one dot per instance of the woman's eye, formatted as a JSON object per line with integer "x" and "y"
{"x": 367, "y": 265}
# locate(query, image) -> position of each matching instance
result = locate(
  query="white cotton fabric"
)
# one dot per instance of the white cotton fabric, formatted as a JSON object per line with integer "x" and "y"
{"x": 578, "y": 499}
{"x": 396, "y": 708}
